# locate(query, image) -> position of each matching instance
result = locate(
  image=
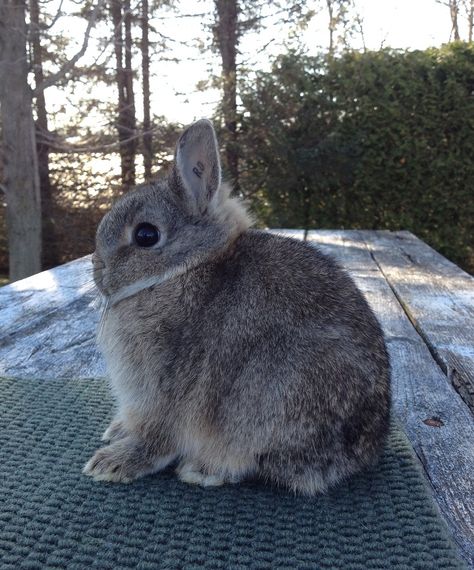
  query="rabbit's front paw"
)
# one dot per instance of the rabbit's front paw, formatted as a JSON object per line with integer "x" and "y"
{"x": 120, "y": 462}
{"x": 114, "y": 432}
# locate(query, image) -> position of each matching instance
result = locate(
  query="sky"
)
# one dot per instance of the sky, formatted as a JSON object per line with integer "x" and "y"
{"x": 412, "y": 24}
{"x": 415, "y": 24}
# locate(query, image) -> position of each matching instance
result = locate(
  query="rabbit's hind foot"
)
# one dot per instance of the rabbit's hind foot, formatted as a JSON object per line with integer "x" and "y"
{"x": 189, "y": 472}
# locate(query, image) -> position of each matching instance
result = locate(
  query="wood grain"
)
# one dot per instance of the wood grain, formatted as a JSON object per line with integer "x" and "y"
{"x": 438, "y": 298}
{"x": 48, "y": 325}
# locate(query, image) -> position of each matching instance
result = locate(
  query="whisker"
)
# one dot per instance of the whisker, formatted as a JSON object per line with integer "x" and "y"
{"x": 97, "y": 302}
{"x": 88, "y": 287}
{"x": 106, "y": 302}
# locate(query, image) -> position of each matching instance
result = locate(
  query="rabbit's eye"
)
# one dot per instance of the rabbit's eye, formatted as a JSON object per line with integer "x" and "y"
{"x": 146, "y": 235}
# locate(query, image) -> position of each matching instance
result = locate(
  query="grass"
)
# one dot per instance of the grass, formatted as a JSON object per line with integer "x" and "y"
{"x": 3, "y": 280}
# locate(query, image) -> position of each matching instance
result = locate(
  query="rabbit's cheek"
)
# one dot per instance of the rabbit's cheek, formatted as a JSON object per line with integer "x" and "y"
{"x": 104, "y": 281}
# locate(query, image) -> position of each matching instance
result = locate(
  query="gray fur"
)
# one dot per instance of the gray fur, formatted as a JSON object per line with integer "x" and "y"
{"x": 262, "y": 360}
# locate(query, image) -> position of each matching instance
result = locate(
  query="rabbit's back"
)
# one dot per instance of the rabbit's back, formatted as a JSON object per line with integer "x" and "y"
{"x": 280, "y": 357}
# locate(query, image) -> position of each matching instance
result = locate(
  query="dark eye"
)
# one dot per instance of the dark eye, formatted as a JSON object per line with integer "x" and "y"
{"x": 146, "y": 235}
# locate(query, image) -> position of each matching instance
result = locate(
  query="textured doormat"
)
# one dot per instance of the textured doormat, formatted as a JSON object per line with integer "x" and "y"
{"x": 51, "y": 516}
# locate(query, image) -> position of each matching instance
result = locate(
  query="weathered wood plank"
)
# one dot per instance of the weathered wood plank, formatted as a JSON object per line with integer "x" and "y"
{"x": 48, "y": 325}
{"x": 24, "y": 301}
{"x": 437, "y": 296}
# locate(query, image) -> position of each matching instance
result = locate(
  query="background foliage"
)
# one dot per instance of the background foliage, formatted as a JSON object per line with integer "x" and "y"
{"x": 376, "y": 140}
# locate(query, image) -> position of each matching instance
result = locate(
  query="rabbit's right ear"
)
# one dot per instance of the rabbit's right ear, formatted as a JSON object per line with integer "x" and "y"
{"x": 197, "y": 166}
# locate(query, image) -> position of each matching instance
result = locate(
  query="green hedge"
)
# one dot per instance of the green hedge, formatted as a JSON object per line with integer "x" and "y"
{"x": 378, "y": 140}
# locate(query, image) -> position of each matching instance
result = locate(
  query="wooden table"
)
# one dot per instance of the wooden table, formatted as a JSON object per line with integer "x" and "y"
{"x": 424, "y": 302}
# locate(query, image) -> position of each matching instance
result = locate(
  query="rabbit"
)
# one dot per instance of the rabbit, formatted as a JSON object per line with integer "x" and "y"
{"x": 232, "y": 353}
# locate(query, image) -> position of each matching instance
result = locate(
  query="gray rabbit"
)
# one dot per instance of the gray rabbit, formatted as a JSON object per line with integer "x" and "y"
{"x": 234, "y": 352}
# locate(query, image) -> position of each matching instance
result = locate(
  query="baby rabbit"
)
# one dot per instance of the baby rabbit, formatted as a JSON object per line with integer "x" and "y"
{"x": 234, "y": 352}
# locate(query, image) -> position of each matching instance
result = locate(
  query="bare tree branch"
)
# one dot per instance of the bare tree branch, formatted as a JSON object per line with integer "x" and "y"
{"x": 56, "y": 17}
{"x": 176, "y": 16}
{"x": 107, "y": 44}
{"x": 89, "y": 146}
{"x": 68, "y": 66}
{"x": 359, "y": 23}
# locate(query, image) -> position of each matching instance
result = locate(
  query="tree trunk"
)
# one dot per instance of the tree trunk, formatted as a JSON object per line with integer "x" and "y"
{"x": 49, "y": 249}
{"x": 147, "y": 136}
{"x": 331, "y": 26}
{"x": 227, "y": 36}
{"x": 470, "y": 21}
{"x": 21, "y": 178}
{"x": 454, "y": 11}
{"x": 126, "y": 121}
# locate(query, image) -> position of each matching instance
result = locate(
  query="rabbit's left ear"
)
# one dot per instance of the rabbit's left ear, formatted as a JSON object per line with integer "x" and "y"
{"x": 197, "y": 164}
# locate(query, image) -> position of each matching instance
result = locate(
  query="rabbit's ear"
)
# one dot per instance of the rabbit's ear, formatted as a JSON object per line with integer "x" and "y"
{"x": 197, "y": 163}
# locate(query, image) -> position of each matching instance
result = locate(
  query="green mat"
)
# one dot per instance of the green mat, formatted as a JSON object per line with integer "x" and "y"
{"x": 51, "y": 516}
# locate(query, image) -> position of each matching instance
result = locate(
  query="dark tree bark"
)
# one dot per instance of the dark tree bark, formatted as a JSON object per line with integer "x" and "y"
{"x": 147, "y": 135}
{"x": 21, "y": 178}
{"x": 49, "y": 246}
{"x": 227, "y": 40}
{"x": 126, "y": 119}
